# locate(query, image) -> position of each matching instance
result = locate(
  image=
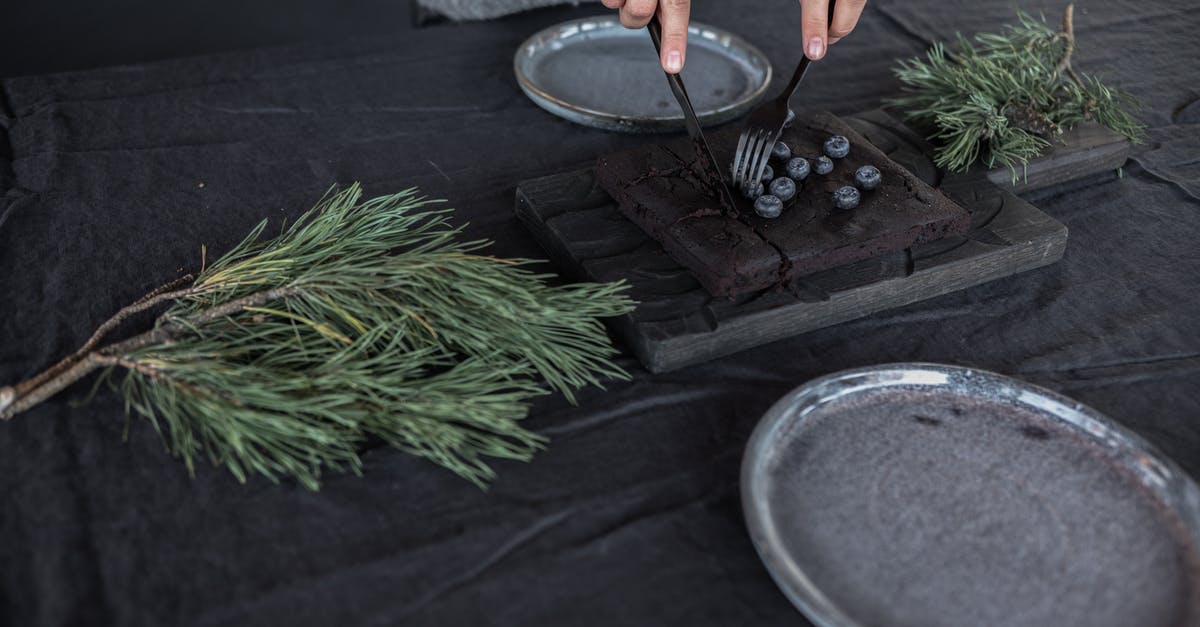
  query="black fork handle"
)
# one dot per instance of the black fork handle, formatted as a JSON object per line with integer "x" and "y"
{"x": 802, "y": 67}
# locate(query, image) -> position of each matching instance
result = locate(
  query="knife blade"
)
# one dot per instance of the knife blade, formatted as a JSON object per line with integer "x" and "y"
{"x": 704, "y": 156}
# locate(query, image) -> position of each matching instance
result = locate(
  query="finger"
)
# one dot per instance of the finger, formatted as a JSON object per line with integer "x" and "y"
{"x": 613, "y": 4}
{"x": 637, "y": 13}
{"x": 674, "y": 16}
{"x": 845, "y": 18}
{"x": 814, "y": 24}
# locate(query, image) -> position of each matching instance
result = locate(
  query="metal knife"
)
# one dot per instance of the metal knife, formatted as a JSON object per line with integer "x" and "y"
{"x": 708, "y": 163}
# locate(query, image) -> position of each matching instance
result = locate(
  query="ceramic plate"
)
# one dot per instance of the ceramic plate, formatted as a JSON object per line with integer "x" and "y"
{"x": 920, "y": 494}
{"x": 595, "y": 72}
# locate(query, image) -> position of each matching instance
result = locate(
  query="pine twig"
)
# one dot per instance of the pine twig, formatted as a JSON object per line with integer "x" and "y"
{"x": 54, "y": 384}
{"x": 1068, "y": 34}
{"x": 33, "y": 391}
{"x": 169, "y": 291}
{"x": 12, "y": 404}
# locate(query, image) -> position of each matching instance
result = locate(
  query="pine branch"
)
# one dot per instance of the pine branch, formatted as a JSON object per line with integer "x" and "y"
{"x": 162, "y": 294}
{"x": 365, "y": 319}
{"x": 31, "y": 392}
{"x": 1002, "y": 98}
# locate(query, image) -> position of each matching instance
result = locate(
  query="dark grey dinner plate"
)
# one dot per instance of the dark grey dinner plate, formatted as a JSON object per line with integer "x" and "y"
{"x": 920, "y": 494}
{"x": 595, "y": 72}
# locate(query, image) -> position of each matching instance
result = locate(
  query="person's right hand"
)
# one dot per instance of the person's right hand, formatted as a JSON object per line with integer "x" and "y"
{"x": 674, "y": 17}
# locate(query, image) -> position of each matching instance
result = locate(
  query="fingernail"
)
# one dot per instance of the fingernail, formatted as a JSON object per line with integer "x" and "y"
{"x": 674, "y": 61}
{"x": 815, "y": 48}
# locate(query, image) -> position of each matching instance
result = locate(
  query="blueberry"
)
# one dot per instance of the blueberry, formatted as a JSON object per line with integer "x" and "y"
{"x": 797, "y": 169}
{"x": 768, "y": 173}
{"x": 791, "y": 119}
{"x": 868, "y": 177}
{"x": 783, "y": 188}
{"x": 754, "y": 193}
{"x": 846, "y": 198}
{"x": 823, "y": 166}
{"x": 768, "y": 206}
{"x": 837, "y": 146}
{"x": 781, "y": 152}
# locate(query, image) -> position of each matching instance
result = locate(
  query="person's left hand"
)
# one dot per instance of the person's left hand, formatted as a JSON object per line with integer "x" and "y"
{"x": 818, "y": 32}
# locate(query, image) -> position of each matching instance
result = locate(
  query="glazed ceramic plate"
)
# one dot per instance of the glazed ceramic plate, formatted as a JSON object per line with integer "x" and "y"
{"x": 595, "y": 72}
{"x": 920, "y": 494}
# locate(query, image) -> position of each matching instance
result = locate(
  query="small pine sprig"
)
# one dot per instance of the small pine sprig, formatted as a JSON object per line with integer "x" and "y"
{"x": 1003, "y": 98}
{"x": 365, "y": 320}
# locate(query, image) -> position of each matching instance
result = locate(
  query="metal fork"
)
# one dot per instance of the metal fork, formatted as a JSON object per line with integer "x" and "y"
{"x": 763, "y": 130}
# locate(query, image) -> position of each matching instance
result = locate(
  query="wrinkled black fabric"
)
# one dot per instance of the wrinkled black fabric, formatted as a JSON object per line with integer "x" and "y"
{"x": 112, "y": 179}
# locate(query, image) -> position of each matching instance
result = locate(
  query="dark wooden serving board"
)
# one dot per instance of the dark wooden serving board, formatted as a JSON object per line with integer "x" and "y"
{"x": 678, "y": 323}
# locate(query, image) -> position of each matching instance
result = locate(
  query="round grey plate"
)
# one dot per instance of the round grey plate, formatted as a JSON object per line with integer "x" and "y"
{"x": 920, "y": 494}
{"x": 596, "y": 72}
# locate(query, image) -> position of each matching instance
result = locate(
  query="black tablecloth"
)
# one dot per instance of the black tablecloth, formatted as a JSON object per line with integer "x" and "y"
{"x": 112, "y": 179}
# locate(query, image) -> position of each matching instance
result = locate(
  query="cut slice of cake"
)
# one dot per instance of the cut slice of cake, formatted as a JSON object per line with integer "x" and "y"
{"x": 658, "y": 188}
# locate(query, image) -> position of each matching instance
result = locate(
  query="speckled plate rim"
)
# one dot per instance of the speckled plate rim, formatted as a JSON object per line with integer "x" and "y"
{"x": 697, "y": 33}
{"x": 1157, "y": 472}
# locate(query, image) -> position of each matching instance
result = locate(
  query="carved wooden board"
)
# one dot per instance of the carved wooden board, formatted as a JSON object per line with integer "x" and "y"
{"x": 678, "y": 323}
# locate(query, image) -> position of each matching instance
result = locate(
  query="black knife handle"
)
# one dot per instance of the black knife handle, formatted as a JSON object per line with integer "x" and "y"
{"x": 685, "y": 102}
{"x": 655, "y": 28}
{"x": 707, "y": 163}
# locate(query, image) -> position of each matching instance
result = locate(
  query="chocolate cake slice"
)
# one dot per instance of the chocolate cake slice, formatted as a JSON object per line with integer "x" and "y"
{"x": 659, "y": 188}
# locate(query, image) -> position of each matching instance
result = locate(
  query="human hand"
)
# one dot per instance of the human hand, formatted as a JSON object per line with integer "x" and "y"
{"x": 816, "y": 30}
{"x": 674, "y": 17}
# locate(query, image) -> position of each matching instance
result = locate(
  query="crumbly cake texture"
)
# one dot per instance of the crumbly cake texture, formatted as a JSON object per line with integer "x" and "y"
{"x": 659, "y": 188}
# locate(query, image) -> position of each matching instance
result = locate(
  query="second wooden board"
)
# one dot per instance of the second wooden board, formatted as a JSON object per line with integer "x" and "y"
{"x": 678, "y": 323}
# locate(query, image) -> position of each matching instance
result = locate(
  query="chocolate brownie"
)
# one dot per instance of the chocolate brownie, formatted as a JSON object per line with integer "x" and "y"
{"x": 732, "y": 251}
